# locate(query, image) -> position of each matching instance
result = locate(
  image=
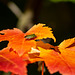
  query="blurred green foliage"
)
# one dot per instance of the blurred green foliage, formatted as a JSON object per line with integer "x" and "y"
{"x": 63, "y": 1}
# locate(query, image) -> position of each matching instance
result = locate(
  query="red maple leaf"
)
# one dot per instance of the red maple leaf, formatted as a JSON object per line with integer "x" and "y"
{"x": 19, "y": 41}
{"x": 10, "y": 61}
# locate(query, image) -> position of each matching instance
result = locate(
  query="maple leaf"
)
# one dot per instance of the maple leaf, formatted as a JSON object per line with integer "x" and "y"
{"x": 10, "y": 61}
{"x": 16, "y": 40}
{"x": 41, "y": 31}
{"x": 62, "y": 60}
{"x": 67, "y": 43}
{"x": 22, "y": 42}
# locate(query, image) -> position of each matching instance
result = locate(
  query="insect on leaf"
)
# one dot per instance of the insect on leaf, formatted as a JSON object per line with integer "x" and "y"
{"x": 30, "y": 36}
{"x": 41, "y": 31}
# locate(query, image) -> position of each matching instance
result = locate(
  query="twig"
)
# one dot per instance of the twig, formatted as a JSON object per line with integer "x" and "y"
{"x": 42, "y": 68}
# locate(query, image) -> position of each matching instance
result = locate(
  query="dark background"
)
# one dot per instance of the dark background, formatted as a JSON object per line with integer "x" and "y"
{"x": 59, "y": 15}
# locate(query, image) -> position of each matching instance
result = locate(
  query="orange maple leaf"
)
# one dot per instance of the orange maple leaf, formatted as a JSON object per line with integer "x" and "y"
{"x": 10, "y": 61}
{"x": 41, "y": 31}
{"x": 62, "y": 60}
{"x": 67, "y": 43}
{"x": 18, "y": 40}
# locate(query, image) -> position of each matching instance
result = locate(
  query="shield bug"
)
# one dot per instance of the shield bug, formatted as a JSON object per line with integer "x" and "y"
{"x": 31, "y": 36}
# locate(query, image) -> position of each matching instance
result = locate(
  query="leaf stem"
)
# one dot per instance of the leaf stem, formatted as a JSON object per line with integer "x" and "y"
{"x": 43, "y": 68}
